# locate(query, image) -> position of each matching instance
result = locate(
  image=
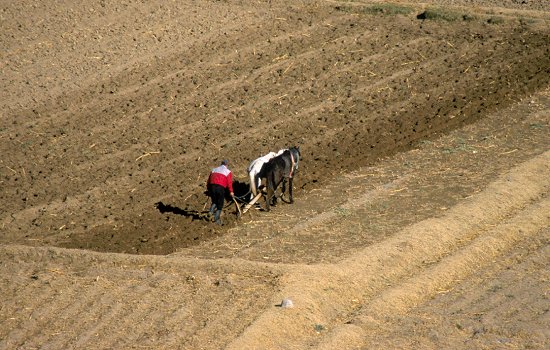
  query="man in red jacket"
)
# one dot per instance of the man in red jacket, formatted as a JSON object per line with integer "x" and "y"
{"x": 220, "y": 178}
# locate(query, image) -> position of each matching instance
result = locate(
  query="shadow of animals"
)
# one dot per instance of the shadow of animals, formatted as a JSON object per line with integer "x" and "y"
{"x": 240, "y": 188}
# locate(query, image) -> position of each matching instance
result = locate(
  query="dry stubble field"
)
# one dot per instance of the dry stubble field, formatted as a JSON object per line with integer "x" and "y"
{"x": 422, "y": 213}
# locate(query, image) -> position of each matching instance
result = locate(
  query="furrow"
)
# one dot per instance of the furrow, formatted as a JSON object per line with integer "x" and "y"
{"x": 446, "y": 273}
{"x": 19, "y": 320}
{"x": 90, "y": 303}
{"x": 54, "y": 310}
{"x": 103, "y": 311}
{"x": 381, "y": 265}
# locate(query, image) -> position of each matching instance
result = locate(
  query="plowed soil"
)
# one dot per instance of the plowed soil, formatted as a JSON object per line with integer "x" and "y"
{"x": 421, "y": 215}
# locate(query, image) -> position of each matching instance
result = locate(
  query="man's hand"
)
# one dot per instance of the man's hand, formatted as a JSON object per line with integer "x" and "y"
{"x": 232, "y": 194}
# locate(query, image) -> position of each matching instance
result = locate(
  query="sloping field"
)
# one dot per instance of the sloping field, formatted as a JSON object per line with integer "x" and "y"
{"x": 105, "y": 116}
{"x": 422, "y": 214}
{"x": 473, "y": 274}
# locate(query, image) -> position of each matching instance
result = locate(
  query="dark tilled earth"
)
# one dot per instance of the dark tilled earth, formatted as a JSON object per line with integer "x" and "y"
{"x": 421, "y": 214}
{"x": 111, "y": 125}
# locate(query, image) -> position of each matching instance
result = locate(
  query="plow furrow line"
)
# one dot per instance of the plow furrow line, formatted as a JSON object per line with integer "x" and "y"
{"x": 128, "y": 325}
{"x": 121, "y": 316}
{"x": 374, "y": 269}
{"x": 18, "y": 321}
{"x": 329, "y": 215}
{"x": 444, "y": 275}
{"x": 59, "y": 329}
{"x": 51, "y": 315}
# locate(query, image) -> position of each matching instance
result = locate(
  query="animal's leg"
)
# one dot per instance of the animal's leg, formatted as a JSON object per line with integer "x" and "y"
{"x": 277, "y": 179}
{"x": 290, "y": 190}
{"x": 253, "y": 182}
{"x": 270, "y": 192}
{"x": 258, "y": 184}
{"x": 268, "y": 197}
{"x": 274, "y": 197}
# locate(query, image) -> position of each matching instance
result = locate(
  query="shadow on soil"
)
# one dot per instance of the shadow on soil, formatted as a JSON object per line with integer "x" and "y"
{"x": 194, "y": 214}
{"x": 240, "y": 189}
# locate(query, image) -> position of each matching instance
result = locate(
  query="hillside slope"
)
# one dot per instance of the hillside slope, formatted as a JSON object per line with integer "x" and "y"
{"x": 421, "y": 217}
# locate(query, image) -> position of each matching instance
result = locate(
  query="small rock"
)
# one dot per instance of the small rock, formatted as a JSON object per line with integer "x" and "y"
{"x": 287, "y": 303}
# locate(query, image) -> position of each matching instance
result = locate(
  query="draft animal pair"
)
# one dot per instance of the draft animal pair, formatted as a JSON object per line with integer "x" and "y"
{"x": 276, "y": 168}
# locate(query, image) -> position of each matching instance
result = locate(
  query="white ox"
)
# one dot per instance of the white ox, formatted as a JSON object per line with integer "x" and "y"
{"x": 255, "y": 167}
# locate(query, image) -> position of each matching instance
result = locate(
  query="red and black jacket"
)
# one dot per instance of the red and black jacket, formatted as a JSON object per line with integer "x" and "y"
{"x": 221, "y": 176}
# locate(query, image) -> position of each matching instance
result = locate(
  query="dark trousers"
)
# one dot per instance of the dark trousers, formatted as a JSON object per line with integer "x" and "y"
{"x": 217, "y": 193}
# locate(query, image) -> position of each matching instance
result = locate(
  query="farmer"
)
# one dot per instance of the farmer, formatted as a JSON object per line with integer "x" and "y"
{"x": 220, "y": 178}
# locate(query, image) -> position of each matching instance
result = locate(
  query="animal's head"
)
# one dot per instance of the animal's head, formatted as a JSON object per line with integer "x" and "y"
{"x": 295, "y": 151}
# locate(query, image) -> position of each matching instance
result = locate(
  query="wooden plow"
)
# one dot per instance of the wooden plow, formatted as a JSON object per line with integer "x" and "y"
{"x": 251, "y": 203}
{"x": 242, "y": 209}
